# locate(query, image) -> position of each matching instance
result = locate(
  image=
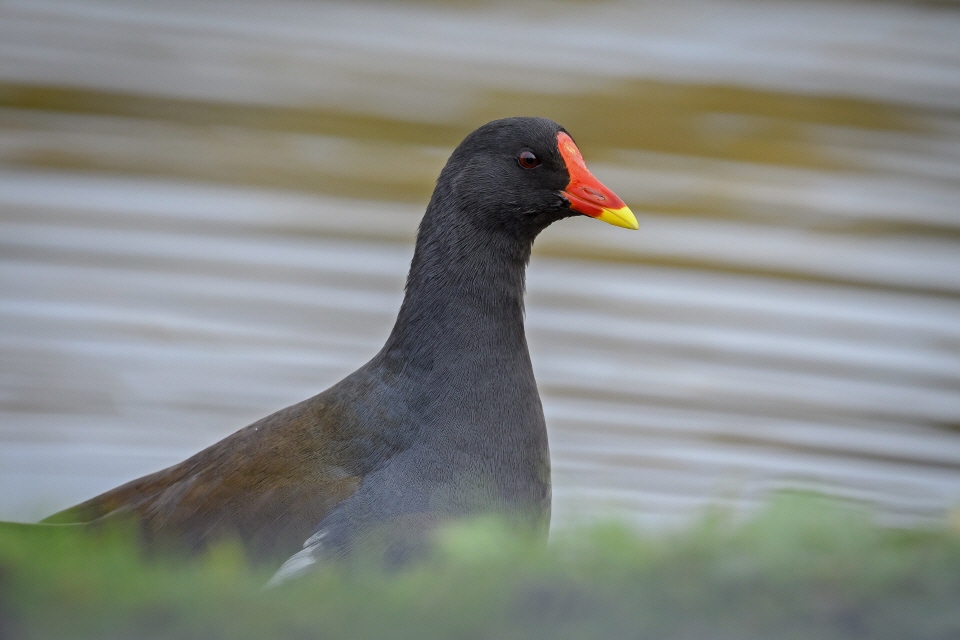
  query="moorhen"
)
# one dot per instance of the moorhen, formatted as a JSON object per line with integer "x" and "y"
{"x": 444, "y": 422}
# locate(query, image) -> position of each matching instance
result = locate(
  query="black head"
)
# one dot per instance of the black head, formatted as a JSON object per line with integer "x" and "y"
{"x": 518, "y": 175}
{"x": 503, "y": 184}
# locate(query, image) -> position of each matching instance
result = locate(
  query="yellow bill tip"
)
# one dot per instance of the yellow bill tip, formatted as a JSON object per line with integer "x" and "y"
{"x": 622, "y": 217}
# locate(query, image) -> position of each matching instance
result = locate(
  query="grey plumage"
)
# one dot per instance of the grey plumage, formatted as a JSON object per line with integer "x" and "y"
{"x": 444, "y": 422}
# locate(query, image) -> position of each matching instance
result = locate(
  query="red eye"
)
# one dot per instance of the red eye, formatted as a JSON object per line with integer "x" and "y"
{"x": 528, "y": 160}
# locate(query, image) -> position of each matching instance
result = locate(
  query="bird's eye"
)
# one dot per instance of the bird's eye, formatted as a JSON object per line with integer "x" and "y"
{"x": 528, "y": 160}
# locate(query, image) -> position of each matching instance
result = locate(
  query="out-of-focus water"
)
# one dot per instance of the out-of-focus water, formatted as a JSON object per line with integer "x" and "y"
{"x": 207, "y": 211}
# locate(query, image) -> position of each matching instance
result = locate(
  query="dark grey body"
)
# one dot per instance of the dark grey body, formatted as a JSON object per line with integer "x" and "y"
{"x": 453, "y": 392}
{"x": 444, "y": 422}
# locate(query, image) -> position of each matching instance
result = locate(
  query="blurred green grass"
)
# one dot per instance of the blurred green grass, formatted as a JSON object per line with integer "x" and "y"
{"x": 803, "y": 568}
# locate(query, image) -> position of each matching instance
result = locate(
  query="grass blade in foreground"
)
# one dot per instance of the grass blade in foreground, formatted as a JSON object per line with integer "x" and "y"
{"x": 804, "y": 568}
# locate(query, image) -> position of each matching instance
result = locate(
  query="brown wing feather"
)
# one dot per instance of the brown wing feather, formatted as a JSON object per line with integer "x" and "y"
{"x": 267, "y": 485}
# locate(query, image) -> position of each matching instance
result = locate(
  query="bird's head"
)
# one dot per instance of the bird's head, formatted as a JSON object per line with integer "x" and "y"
{"x": 525, "y": 173}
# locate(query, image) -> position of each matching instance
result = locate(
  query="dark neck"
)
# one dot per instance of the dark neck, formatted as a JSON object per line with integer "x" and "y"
{"x": 458, "y": 366}
{"x": 464, "y": 294}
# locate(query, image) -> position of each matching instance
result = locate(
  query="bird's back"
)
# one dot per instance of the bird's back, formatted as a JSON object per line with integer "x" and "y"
{"x": 267, "y": 485}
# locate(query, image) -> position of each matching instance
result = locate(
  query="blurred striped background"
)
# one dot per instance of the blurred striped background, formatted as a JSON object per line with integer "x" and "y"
{"x": 207, "y": 211}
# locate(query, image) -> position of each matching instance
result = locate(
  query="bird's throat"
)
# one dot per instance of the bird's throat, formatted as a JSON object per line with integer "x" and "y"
{"x": 464, "y": 296}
